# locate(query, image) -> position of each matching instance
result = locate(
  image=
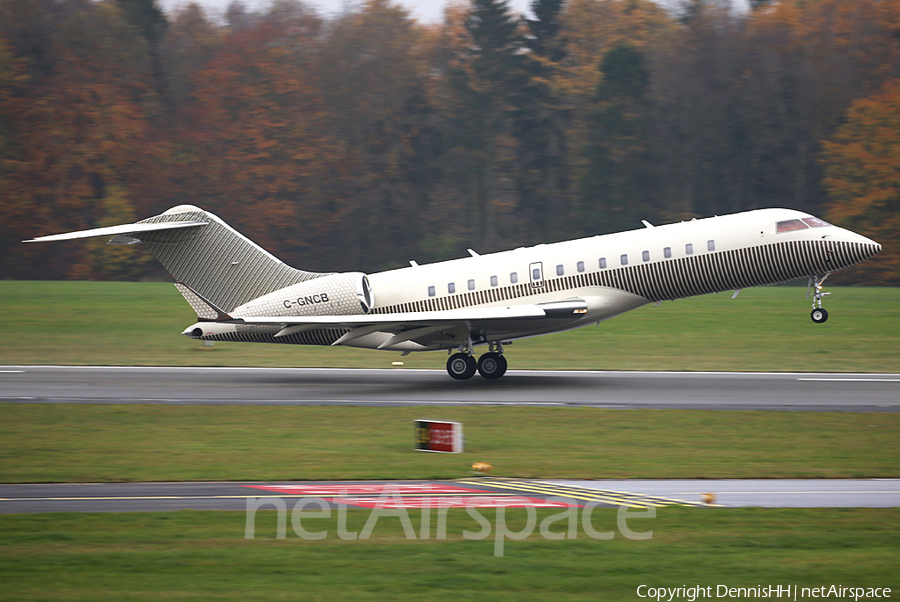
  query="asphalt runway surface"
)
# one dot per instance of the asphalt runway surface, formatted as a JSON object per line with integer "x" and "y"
{"x": 317, "y": 386}
{"x": 477, "y": 492}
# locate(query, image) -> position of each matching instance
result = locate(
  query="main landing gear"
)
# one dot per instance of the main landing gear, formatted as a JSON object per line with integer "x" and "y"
{"x": 818, "y": 315}
{"x": 492, "y": 365}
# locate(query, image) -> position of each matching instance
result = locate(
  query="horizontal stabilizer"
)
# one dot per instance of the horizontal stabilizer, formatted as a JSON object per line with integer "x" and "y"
{"x": 124, "y": 229}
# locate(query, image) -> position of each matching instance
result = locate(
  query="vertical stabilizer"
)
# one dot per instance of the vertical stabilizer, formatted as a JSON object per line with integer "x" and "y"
{"x": 215, "y": 260}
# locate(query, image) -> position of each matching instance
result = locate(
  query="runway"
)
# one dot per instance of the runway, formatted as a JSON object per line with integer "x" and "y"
{"x": 475, "y": 492}
{"x": 317, "y": 386}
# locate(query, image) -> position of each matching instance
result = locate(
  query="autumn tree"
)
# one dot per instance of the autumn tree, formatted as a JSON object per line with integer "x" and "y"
{"x": 189, "y": 42}
{"x": 255, "y": 146}
{"x": 862, "y": 178}
{"x": 81, "y": 128}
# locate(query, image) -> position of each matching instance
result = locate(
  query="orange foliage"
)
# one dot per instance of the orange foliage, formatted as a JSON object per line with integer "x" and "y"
{"x": 862, "y": 177}
{"x": 257, "y": 138}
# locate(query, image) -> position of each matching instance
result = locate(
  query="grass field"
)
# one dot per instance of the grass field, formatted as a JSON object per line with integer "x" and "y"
{"x": 764, "y": 329}
{"x": 93, "y": 443}
{"x": 190, "y": 556}
{"x": 204, "y": 556}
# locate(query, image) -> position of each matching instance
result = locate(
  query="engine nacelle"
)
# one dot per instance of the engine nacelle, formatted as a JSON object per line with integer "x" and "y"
{"x": 336, "y": 294}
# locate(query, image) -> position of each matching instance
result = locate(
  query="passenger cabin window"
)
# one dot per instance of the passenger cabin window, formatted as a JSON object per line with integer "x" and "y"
{"x": 710, "y": 245}
{"x": 514, "y": 277}
{"x": 431, "y": 291}
{"x": 689, "y": 249}
{"x": 623, "y": 259}
{"x": 536, "y": 274}
{"x": 494, "y": 281}
{"x": 791, "y": 225}
{"x": 580, "y": 266}
{"x": 814, "y": 222}
{"x": 667, "y": 252}
{"x": 645, "y": 255}
{"x": 471, "y": 285}
{"x": 451, "y": 288}
{"x": 603, "y": 263}
{"x": 560, "y": 270}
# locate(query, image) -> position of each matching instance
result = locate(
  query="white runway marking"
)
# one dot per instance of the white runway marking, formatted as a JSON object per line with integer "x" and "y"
{"x": 853, "y": 380}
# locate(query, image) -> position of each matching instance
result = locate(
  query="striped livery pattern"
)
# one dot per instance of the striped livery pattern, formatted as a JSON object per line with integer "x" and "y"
{"x": 677, "y": 278}
{"x": 263, "y": 334}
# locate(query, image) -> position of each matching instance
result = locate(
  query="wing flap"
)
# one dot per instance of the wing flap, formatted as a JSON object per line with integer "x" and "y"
{"x": 407, "y": 320}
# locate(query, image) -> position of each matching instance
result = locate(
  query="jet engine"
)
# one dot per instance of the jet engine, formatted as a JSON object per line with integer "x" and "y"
{"x": 336, "y": 294}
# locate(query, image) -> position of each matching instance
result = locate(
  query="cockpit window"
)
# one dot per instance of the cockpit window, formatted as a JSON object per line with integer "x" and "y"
{"x": 791, "y": 225}
{"x": 814, "y": 222}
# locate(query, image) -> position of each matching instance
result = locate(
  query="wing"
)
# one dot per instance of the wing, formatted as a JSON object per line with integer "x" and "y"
{"x": 427, "y": 329}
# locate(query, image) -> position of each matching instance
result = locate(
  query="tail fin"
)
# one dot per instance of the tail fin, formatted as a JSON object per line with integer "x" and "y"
{"x": 205, "y": 254}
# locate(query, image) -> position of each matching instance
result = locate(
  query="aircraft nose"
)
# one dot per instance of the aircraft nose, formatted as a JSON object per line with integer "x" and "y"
{"x": 868, "y": 246}
{"x": 871, "y": 247}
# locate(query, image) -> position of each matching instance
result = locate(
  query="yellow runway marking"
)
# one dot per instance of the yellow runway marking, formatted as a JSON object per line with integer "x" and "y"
{"x": 617, "y": 498}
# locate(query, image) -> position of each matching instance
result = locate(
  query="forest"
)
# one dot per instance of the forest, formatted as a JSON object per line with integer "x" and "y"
{"x": 367, "y": 139}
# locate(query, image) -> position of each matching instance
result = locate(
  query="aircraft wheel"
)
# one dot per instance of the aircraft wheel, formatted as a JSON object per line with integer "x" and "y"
{"x": 492, "y": 365}
{"x": 819, "y": 315}
{"x": 461, "y": 366}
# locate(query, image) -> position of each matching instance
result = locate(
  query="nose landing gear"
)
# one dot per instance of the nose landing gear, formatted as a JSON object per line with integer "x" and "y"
{"x": 819, "y": 314}
{"x": 492, "y": 365}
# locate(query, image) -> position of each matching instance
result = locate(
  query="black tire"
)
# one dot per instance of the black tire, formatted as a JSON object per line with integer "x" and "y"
{"x": 819, "y": 315}
{"x": 492, "y": 365}
{"x": 461, "y": 366}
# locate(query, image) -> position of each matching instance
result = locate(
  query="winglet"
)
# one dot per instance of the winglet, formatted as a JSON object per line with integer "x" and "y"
{"x": 206, "y": 311}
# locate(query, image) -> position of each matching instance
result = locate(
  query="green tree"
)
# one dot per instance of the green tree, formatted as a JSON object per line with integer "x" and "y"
{"x": 374, "y": 72}
{"x": 615, "y": 187}
{"x": 485, "y": 84}
{"x": 540, "y": 127}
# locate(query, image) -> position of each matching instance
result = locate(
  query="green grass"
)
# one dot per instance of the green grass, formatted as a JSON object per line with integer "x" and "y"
{"x": 764, "y": 329}
{"x": 88, "y": 443}
{"x": 202, "y": 556}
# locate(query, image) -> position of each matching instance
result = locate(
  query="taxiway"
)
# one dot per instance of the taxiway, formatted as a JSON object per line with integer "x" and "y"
{"x": 479, "y": 492}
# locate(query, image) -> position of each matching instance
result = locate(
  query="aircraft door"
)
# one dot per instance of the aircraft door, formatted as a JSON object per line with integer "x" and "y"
{"x": 536, "y": 272}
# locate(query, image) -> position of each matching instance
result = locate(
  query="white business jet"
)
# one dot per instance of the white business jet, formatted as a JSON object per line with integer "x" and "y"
{"x": 242, "y": 293}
